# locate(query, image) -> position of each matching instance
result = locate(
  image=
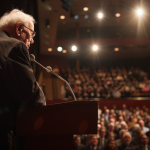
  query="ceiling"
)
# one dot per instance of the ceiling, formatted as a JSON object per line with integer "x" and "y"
{"x": 126, "y": 32}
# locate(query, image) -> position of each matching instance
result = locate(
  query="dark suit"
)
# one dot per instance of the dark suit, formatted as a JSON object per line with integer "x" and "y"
{"x": 140, "y": 147}
{"x": 124, "y": 147}
{"x": 89, "y": 148}
{"x": 102, "y": 146}
{"x": 18, "y": 86}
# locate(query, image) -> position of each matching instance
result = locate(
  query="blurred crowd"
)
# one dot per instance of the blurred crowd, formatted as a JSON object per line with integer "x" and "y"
{"x": 118, "y": 130}
{"x": 106, "y": 83}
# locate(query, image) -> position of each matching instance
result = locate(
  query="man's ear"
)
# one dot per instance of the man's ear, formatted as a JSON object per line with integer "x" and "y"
{"x": 18, "y": 28}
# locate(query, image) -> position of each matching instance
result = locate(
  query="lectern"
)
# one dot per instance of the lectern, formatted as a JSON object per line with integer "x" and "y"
{"x": 52, "y": 127}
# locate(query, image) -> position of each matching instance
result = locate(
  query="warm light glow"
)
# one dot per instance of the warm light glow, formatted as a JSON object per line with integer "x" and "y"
{"x": 118, "y": 14}
{"x": 48, "y": 26}
{"x": 74, "y": 48}
{"x": 95, "y": 47}
{"x": 49, "y": 49}
{"x": 139, "y": 12}
{"x": 62, "y": 17}
{"x": 100, "y": 15}
{"x": 59, "y": 49}
{"x": 116, "y": 49}
{"x": 64, "y": 51}
{"x": 85, "y": 8}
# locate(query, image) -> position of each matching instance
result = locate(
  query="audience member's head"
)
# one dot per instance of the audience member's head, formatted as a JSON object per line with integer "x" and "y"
{"x": 93, "y": 140}
{"x": 111, "y": 127}
{"x": 111, "y": 136}
{"x": 102, "y": 132}
{"x": 111, "y": 145}
{"x": 121, "y": 133}
{"x": 127, "y": 138}
{"x": 141, "y": 123}
{"x": 77, "y": 140}
{"x": 144, "y": 139}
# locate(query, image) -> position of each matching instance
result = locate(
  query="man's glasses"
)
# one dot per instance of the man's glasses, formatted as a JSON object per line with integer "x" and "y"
{"x": 33, "y": 32}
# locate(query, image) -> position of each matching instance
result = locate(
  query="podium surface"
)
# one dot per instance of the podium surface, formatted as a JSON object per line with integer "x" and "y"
{"x": 56, "y": 124}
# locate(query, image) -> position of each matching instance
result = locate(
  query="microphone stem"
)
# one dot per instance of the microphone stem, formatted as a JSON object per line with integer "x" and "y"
{"x": 65, "y": 82}
{"x": 42, "y": 66}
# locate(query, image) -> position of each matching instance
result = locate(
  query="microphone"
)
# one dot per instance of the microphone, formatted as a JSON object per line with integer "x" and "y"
{"x": 32, "y": 58}
{"x": 49, "y": 69}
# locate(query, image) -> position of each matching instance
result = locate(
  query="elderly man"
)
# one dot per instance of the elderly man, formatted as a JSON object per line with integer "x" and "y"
{"x": 93, "y": 143}
{"x": 121, "y": 133}
{"x": 18, "y": 85}
{"x": 103, "y": 141}
{"x": 144, "y": 129}
{"x": 126, "y": 142}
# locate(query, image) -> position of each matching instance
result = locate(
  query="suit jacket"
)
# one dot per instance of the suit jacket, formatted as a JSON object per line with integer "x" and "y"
{"x": 18, "y": 86}
{"x": 100, "y": 144}
{"x": 89, "y": 148}
{"x": 140, "y": 147}
{"x": 124, "y": 147}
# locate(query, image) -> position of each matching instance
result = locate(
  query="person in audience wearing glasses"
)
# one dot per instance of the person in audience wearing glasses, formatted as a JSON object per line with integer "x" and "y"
{"x": 18, "y": 86}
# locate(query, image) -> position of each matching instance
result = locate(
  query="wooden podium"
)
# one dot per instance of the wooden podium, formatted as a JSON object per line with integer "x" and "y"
{"x": 52, "y": 127}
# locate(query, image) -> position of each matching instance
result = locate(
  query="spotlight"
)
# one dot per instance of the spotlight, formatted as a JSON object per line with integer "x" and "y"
{"x": 85, "y": 8}
{"x": 59, "y": 49}
{"x": 100, "y": 15}
{"x": 62, "y": 17}
{"x": 86, "y": 16}
{"x": 95, "y": 47}
{"x": 139, "y": 12}
{"x": 116, "y": 49}
{"x": 118, "y": 14}
{"x": 76, "y": 17}
{"x": 74, "y": 48}
{"x": 64, "y": 51}
{"x": 49, "y": 49}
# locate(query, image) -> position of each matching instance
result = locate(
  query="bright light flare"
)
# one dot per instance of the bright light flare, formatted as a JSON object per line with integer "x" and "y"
{"x": 116, "y": 49}
{"x": 95, "y": 47}
{"x": 85, "y": 8}
{"x": 62, "y": 17}
{"x": 140, "y": 12}
{"x": 100, "y": 15}
{"x": 59, "y": 49}
{"x": 118, "y": 15}
{"x": 74, "y": 48}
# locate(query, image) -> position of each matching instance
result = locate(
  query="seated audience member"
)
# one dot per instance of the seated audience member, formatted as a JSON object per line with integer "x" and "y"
{"x": 118, "y": 123}
{"x": 111, "y": 136}
{"x": 98, "y": 129}
{"x": 111, "y": 145}
{"x": 111, "y": 128}
{"x": 147, "y": 121}
{"x": 103, "y": 140}
{"x": 136, "y": 136}
{"x": 77, "y": 143}
{"x": 144, "y": 129}
{"x": 126, "y": 142}
{"x": 106, "y": 116}
{"x": 131, "y": 122}
{"x": 120, "y": 140}
{"x": 116, "y": 93}
{"x": 143, "y": 143}
{"x": 93, "y": 143}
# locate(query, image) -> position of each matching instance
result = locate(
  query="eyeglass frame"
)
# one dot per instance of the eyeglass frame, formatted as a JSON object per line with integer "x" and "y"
{"x": 33, "y": 34}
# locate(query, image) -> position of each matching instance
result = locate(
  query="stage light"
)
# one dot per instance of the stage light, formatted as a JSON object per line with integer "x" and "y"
{"x": 59, "y": 49}
{"x": 64, "y": 51}
{"x": 118, "y": 14}
{"x": 49, "y": 49}
{"x": 76, "y": 17}
{"x": 85, "y": 8}
{"x": 86, "y": 16}
{"x": 139, "y": 12}
{"x": 62, "y": 17}
{"x": 116, "y": 49}
{"x": 95, "y": 47}
{"x": 100, "y": 15}
{"x": 74, "y": 48}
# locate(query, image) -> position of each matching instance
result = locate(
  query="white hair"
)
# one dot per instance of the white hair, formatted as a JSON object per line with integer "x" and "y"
{"x": 127, "y": 133}
{"x": 121, "y": 131}
{"x": 9, "y": 19}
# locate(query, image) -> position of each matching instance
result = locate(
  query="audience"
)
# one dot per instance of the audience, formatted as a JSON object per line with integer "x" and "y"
{"x": 129, "y": 134}
{"x": 107, "y": 83}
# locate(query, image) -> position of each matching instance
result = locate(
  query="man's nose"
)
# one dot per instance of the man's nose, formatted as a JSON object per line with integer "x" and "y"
{"x": 31, "y": 41}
